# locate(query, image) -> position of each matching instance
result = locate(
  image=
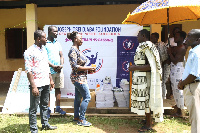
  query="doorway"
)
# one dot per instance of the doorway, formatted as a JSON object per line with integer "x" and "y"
{"x": 164, "y": 31}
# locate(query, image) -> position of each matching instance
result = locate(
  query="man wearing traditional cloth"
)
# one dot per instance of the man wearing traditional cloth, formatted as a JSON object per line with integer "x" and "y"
{"x": 176, "y": 55}
{"x": 147, "y": 90}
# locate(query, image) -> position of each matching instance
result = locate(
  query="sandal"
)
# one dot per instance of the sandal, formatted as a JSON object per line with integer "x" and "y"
{"x": 144, "y": 129}
{"x": 170, "y": 97}
{"x": 143, "y": 122}
{"x": 176, "y": 115}
{"x": 174, "y": 106}
{"x": 77, "y": 120}
{"x": 84, "y": 123}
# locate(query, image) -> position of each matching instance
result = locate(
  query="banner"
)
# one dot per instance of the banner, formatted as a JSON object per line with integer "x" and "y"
{"x": 126, "y": 47}
{"x": 110, "y": 47}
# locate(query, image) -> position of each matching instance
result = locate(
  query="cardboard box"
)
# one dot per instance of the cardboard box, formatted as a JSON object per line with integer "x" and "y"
{"x": 92, "y": 102}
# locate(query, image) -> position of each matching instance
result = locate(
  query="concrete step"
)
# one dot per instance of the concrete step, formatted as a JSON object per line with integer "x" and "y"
{"x": 94, "y": 110}
{"x": 67, "y": 104}
{"x": 98, "y": 115}
{"x": 113, "y": 110}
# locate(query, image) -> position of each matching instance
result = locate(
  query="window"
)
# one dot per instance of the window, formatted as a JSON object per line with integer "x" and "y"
{"x": 16, "y": 42}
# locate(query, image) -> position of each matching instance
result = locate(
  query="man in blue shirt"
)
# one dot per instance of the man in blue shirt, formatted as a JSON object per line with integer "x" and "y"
{"x": 56, "y": 60}
{"x": 190, "y": 82}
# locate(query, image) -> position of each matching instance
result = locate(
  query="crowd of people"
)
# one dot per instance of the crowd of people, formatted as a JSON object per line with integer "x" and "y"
{"x": 44, "y": 66}
{"x": 155, "y": 64}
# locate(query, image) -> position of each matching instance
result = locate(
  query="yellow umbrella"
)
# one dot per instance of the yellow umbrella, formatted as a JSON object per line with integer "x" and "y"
{"x": 164, "y": 12}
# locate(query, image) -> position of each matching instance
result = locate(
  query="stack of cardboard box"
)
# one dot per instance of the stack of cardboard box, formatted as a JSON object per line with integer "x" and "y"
{"x": 104, "y": 97}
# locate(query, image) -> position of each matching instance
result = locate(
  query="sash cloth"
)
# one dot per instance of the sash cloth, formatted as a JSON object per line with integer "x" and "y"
{"x": 146, "y": 89}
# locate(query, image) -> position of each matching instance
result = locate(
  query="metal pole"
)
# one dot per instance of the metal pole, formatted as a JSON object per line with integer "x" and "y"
{"x": 130, "y": 84}
{"x": 168, "y": 26}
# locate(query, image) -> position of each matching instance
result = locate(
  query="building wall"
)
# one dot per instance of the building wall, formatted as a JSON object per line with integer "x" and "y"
{"x": 10, "y": 18}
{"x": 188, "y": 25}
{"x": 92, "y": 14}
{"x": 98, "y": 14}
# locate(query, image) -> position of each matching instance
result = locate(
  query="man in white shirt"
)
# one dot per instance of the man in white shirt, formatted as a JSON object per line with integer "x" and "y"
{"x": 190, "y": 80}
{"x": 39, "y": 76}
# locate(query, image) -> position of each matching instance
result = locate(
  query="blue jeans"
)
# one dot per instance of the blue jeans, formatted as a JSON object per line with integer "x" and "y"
{"x": 43, "y": 98}
{"x": 81, "y": 90}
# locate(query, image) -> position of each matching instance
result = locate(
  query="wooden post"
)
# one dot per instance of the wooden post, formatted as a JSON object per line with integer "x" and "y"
{"x": 31, "y": 23}
{"x": 130, "y": 84}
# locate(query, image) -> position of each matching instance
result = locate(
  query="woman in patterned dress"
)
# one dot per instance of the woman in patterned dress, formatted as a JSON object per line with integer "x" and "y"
{"x": 79, "y": 78}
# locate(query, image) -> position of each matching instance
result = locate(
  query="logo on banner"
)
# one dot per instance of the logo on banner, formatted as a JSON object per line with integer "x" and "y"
{"x": 128, "y": 44}
{"x": 125, "y": 66}
{"x": 93, "y": 59}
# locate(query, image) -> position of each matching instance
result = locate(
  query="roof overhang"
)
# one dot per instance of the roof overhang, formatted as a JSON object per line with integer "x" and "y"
{"x": 7, "y": 4}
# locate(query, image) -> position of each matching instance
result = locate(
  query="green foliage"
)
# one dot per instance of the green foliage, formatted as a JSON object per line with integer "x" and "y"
{"x": 174, "y": 125}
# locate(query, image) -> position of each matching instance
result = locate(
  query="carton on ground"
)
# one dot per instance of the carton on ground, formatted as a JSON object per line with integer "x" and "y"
{"x": 92, "y": 102}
